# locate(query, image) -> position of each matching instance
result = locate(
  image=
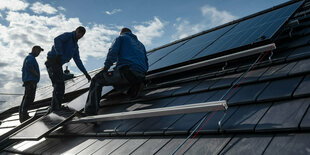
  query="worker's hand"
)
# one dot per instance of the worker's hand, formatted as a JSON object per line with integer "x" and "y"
{"x": 88, "y": 77}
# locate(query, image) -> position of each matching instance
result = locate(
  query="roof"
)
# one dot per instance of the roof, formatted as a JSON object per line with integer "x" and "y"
{"x": 268, "y": 107}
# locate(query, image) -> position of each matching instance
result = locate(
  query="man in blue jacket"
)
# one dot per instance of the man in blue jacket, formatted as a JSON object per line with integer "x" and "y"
{"x": 30, "y": 77}
{"x": 131, "y": 66}
{"x": 65, "y": 48}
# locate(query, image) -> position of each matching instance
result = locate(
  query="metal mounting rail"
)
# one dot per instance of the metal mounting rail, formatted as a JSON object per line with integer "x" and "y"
{"x": 183, "y": 109}
{"x": 224, "y": 58}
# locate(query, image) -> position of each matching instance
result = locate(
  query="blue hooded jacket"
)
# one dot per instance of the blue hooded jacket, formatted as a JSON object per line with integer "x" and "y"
{"x": 66, "y": 46}
{"x": 127, "y": 50}
{"x": 30, "y": 62}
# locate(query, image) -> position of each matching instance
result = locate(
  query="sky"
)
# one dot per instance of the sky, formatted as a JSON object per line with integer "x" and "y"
{"x": 25, "y": 23}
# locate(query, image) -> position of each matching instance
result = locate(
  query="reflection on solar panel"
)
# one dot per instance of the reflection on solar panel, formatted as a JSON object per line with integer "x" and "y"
{"x": 252, "y": 30}
{"x": 158, "y": 54}
{"x": 190, "y": 48}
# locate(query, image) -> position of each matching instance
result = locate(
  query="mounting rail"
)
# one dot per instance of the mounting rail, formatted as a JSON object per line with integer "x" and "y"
{"x": 173, "y": 110}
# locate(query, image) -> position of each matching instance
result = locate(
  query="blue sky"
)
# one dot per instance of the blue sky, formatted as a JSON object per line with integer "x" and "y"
{"x": 24, "y": 23}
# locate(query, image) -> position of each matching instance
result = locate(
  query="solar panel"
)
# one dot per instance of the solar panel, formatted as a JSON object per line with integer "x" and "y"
{"x": 158, "y": 54}
{"x": 190, "y": 48}
{"x": 253, "y": 30}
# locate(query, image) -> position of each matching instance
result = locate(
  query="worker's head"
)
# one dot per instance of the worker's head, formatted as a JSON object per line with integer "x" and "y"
{"x": 36, "y": 50}
{"x": 79, "y": 32}
{"x": 125, "y": 29}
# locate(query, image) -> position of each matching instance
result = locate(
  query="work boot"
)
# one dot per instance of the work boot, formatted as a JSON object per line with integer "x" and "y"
{"x": 23, "y": 118}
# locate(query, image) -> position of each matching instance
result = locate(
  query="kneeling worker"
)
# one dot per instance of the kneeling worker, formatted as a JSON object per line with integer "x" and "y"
{"x": 30, "y": 77}
{"x": 131, "y": 66}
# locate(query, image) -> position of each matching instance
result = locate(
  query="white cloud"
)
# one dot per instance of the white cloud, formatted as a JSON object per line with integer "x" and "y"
{"x": 114, "y": 11}
{"x": 211, "y": 17}
{"x": 39, "y": 8}
{"x": 61, "y": 8}
{"x": 149, "y": 30}
{"x": 216, "y": 17}
{"x": 13, "y": 5}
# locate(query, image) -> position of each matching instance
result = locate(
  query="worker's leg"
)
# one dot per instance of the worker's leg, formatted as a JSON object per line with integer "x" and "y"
{"x": 94, "y": 95}
{"x": 55, "y": 73}
{"x": 30, "y": 91}
{"x": 101, "y": 79}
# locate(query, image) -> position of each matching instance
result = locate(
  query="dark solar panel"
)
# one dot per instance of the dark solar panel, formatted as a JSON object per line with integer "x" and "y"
{"x": 158, "y": 54}
{"x": 253, "y": 30}
{"x": 190, "y": 48}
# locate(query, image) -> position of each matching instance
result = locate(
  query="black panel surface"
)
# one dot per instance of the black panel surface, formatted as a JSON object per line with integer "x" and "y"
{"x": 226, "y": 81}
{"x": 66, "y": 144}
{"x": 44, "y": 125}
{"x": 204, "y": 85}
{"x": 299, "y": 53}
{"x": 174, "y": 143}
{"x": 95, "y": 146}
{"x": 247, "y": 93}
{"x": 302, "y": 66}
{"x": 253, "y": 75}
{"x": 152, "y": 145}
{"x": 304, "y": 87}
{"x": 269, "y": 74}
{"x": 285, "y": 115}
{"x": 111, "y": 146}
{"x": 159, "y": 54}
{"x": 131, "y": 145}
{"x": 283, "y": 72}
{"x": 209, "y": 144}
{"x": 185, "y": 87}
{"x": 190, "y": 48}
{"x": 280, "y": 89}
{"x": 246, "y": 117}
{"x": 305, "y": 123}
{"x": 213, "y": 118}
{"x": 289, "y": 144}
{"x": 247, "y": 144}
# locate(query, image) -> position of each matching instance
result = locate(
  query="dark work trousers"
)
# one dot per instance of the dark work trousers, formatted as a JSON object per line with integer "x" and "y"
{"x": 30, "y": 92}
{"x": 119, "y": 77}
{"x": 55, "y": 73}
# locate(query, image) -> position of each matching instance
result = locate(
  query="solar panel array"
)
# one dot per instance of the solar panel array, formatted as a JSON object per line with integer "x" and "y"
{"x": 255, "y": 29}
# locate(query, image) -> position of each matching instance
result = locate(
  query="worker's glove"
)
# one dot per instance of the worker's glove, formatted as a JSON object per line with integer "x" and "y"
{"x": 105, "y": 69}
{"x": 87, "y": 76}
{"x": 58, "y": 59}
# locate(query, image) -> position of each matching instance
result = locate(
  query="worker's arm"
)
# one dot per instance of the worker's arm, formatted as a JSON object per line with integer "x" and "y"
{"x": 59, "y": 42}
{"x": 79, "y": 64}
{"x": 33, "y": 71}
{"x": 30, "y": 65}
{"x": 112, "y": 54}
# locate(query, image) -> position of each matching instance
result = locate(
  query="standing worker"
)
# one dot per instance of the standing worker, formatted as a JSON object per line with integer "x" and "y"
{"x": 30, "y": 77}
{"x": 131, "y": 66}
{"x": 65, "y": 47}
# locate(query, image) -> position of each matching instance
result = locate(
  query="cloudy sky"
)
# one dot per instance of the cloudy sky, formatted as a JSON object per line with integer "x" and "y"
{"x": 25, "y": 23}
